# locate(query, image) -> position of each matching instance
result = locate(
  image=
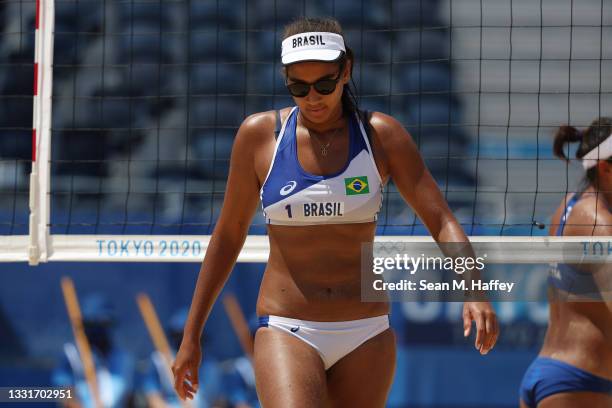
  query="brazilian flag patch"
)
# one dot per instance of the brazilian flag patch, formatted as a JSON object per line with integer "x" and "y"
{"x": 356, "y": 185}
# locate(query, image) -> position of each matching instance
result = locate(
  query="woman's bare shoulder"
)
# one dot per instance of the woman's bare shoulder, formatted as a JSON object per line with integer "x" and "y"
{"x": 260, "y": 126}
{"x": 390, "y": 134}
{"x": 590, "y": 216}
{"x": 383, "y": 123}
{"x": 257, "y": 125}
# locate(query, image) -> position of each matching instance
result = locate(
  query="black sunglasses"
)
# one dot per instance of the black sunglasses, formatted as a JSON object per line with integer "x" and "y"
{"x": 322, "y": 86}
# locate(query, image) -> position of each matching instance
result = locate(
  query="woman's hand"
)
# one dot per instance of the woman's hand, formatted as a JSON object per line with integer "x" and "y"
{"x": 186, "y": 368}
{"x": 487, "y": 328}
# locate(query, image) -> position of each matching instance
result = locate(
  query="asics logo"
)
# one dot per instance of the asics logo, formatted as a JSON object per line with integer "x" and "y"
{"x": 288, "y": 188}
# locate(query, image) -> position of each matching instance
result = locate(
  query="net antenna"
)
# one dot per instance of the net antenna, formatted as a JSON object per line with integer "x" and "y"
{"x": 40, "y": 178}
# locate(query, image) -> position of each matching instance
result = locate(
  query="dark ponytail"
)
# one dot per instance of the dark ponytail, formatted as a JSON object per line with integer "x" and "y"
{"x": 349, "y": 100}
{"x": 565, "y": 134}
{"x": 598, "y": 131}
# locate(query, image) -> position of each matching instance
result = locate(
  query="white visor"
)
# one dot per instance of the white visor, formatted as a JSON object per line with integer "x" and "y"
{"x": 312, "y": 46}
{"x": 602, "y": 152}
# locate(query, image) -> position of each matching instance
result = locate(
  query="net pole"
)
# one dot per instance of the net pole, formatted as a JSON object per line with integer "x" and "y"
{"x": 39, "y": 199}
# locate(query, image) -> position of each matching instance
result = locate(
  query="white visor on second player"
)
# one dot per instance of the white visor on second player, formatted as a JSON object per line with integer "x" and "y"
{"x": 602, "y": 152}
{"x": 312, "y": 46}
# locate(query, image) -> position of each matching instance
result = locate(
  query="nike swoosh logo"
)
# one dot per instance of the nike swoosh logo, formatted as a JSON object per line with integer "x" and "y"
{"x": 294, "y": 329}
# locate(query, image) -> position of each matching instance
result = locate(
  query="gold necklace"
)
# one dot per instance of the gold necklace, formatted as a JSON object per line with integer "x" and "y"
{"x": 324, "y": 148}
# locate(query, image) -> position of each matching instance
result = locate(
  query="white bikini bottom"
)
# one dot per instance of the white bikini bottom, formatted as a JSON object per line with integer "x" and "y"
{"x": 333, "y": 340}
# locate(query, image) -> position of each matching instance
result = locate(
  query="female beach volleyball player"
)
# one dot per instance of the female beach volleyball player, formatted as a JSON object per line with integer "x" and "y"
{"x": 574, "y": 367}
{"x": 320, "y": 179}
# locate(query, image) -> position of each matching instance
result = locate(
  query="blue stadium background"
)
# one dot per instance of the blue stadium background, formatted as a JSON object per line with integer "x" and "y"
{"x": 147, "y": 98}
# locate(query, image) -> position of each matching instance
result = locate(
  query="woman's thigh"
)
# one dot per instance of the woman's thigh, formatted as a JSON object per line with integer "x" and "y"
{"x": 577, "y": 399}
{"x": 364, "y": 376}
{"x": 289, "y": 373}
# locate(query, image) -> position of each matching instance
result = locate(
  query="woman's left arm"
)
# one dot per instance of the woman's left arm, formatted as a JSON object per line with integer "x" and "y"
{"x": 416, "y": 185}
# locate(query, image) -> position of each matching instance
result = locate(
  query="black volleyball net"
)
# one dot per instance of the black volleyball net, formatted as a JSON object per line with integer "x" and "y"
{"x": 136, "y": 104}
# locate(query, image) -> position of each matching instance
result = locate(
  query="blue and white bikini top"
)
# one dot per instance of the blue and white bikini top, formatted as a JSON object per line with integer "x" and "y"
{"x": 292, "y": 196}
{"x": 566, "y": 277}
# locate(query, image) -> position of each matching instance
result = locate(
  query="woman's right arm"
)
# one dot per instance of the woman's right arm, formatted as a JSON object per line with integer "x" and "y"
{"x": 239, "y": 205}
